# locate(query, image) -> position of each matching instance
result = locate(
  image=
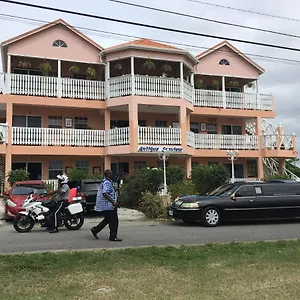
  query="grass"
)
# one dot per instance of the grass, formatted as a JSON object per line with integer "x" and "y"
{"x": 212, "y": 272}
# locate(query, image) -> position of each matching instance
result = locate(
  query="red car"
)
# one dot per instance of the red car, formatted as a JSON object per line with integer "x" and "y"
{"x": 16, "y": 196}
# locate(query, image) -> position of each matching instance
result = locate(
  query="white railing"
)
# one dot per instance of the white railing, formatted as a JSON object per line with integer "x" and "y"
{"x": 117, "y": 137}
{"x": 271, "y": 142}
{"x": 188, "y": 91}
{"x": 83, "y": 89}
{"x": 2, "y": 84}
{"x": 226, "y": 141}
{"x": 159, "y": 136}
{"x": 157, "y": 86}
{"x": 3, "y": 133}
{"x": 233, "y": 100}
{"x": 52, "y": 184}
{"x": 58, "y": 137}
{"x": 191, "y": 139}
{"x": 120, "y": 86}
{"x": 31, "y": 85}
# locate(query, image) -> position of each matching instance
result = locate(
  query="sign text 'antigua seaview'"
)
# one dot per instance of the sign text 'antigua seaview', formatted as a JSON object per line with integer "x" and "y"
{"x": 159, "y": 149}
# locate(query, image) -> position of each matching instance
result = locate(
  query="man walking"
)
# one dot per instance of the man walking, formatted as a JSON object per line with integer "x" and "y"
{"x": 107, "y": 204}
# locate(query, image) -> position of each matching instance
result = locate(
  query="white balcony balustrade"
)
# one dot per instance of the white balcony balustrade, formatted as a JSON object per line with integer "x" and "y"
{"x": 58, "y": 137}
{"x": 159, "y": 136}
{"x": 117, "y": 137}
{"x": 223, "y": 141}
{"x": 282, "y": 142}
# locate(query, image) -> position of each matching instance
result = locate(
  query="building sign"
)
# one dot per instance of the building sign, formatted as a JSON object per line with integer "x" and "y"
{"x": 160, "y": 149}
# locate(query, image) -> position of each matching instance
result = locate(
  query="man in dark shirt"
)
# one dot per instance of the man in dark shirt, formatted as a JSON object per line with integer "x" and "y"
{"x": 107, "y": 205}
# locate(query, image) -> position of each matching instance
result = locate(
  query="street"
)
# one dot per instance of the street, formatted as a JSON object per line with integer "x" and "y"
{"x": 146, "y": 233}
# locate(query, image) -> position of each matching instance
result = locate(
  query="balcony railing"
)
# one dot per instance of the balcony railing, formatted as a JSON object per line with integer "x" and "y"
{"x": 282, "y": 142}
{"x": 222, "y": 141}
{"x": 159, "y": 136}
{"x": 33, "y": 85}
{"x": 58, "y": 137}
{"x": 117, "y": 137}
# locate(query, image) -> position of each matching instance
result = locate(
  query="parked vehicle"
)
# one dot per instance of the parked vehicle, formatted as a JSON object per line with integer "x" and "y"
{"x": 88, "y": 191}
{"x": 240, "y": 201}
{"x": 14, "y": 198}
{"x": 40, "y": 211}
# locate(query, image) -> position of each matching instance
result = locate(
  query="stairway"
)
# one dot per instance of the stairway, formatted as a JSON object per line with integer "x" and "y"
{"x": 271, "y": 165}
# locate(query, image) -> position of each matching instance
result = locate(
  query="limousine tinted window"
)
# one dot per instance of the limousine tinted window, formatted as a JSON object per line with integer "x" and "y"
{"x": 281, "y": 189}
{"x": 246, "y": 191}
{"x": 224, "y": 190}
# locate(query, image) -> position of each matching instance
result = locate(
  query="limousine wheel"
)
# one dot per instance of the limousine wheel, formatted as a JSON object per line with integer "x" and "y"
{"x": 211, "y": 217}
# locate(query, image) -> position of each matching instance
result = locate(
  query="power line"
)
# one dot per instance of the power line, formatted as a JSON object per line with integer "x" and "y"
{"x": 245, "y": 10}
{"x": 109, "y": 34}
{"x": 205, "y": 19}
{"x": 151, "y": 26}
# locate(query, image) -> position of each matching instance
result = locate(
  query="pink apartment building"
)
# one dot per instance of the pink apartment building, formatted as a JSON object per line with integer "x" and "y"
{"x": 65, "y": 101}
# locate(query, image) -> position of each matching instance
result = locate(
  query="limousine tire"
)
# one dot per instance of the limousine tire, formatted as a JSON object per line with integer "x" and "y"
{"x": 211, "y": 217}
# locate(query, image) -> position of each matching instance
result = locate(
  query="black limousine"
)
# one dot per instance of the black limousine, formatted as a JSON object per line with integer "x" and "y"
{"x": 240, "y": 201}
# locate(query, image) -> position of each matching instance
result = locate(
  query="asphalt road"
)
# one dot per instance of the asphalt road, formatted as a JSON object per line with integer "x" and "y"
{"x": 137, "y": 234}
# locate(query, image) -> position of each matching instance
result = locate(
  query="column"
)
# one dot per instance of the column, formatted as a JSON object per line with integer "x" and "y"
{"x": 223, "y": 92}
{"x": 183, "y": 125}
{"x": 193, "y": 84}
{"x": 260, "y": 168}
{"x": 188, "y": 167}
{"x": 133, "y": 125}
{"x": 107, "y": 163}
{"x": 59, "y": 80}
{"x": 107, "y": 77}
{"x": 281, "y": 166}
{"x": 181, "y": 80}
{"x": 106, "y": 126}
{"x": 132, "y": 75}
{"x": 257, "y": 94}
{"x": 8, "y": 83}
{"x": 8, "y": 156}
{"x": 258, "y": 130}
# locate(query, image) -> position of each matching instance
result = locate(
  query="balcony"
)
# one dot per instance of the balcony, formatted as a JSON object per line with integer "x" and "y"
{"x": 159, "y": 136}
{"x": 277, "y": 142}
{"x": 142, "y": 85}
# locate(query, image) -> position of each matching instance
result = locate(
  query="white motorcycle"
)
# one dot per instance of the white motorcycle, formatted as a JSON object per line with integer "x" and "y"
{"x": 37, "y": 210}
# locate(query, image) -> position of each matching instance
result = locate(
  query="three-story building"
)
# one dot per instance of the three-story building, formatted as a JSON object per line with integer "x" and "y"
{"x": 67, "y": 102}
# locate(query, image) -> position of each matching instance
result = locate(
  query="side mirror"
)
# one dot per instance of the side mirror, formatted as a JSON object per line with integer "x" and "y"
{"x": 233, "y": 197}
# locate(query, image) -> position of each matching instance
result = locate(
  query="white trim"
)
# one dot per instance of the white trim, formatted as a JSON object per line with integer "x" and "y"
{"x": 139, "y": 47}
{"x": 226, "y": 75}
{"x": 54, "y": 58}
{"x": 223, "y": 92}
{"x": 132, "y": 75}
{"x": 225, "y": 43}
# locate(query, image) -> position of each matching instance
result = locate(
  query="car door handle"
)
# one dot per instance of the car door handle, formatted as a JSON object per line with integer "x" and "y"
{"x": 251, "y": 200}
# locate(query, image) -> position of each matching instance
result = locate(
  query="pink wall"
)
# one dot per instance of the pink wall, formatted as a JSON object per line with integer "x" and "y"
{"x": 40, "y": 45}
{"x": 238, "y": 66}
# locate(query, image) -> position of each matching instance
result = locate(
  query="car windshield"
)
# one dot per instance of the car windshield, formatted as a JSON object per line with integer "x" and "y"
{"x": 27, "y": 189}
{"x": 91, "y": 186}
{"x": 223, "y": 190}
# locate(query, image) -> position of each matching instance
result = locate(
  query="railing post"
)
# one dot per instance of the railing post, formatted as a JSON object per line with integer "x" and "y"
{"x": 107, "y": 81}
{"x": 59, "y": 80}
{"x": 223, "y": 92}
{"x": 8, "y": 83}
{"x": 181, "y": 80}
{"x": 193, "y": 89}
{"x": 257, "y": 95}
{"x": 132, "y": 76}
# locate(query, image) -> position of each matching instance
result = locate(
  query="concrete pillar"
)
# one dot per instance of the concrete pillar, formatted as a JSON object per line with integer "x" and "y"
{"x": 260, "y": 168}
{"x": 223, "y": 92}
{"x": 107, "y": 119}
{"x": 188, "y": 166}
{"x": 8, "y": 155}
{"x": 107, "y": 77}
{"x": 257, "y": 94}
{"x": 133, "y": 125}
{"x": 181, "y": 80}
{"x": 183, "y": 125}
{"x": 8, "y": 83}
{"x": 132, "y": 76}
{"x": 281, "y": 166}
{"x": 107, "y": 163}
{"x": 259, "y": 132}
{"x": 59, "y": 81}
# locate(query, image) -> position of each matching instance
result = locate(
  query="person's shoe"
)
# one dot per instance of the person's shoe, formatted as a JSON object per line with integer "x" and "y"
{"x": 55, "y": 230}
{"x": 115, "y": 239}
{"x": 94, "y": 234}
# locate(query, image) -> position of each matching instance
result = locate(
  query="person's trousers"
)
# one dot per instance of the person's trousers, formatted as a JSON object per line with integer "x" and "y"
{"x": 111, "y": 219}
{"x": 60, "y": 206}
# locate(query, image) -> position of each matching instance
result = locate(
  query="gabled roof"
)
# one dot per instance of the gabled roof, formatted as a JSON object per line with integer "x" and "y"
{"x": 144, "y": 43}
{"x": 47, "y": 26}
{"x": 234, "y": 49}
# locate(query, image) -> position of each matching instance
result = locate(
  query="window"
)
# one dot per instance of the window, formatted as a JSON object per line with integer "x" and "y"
{"x": 82, "y": 164}
{"x": 60, "y": 44}
{"x": 224, "y": 62}
{"x": 27, "y": 121}
{"x": 55, "y": 168}
{"x": 232, "y": 129}
{"x": 139, "y": 165}
{"x": 212, "y": 128}
{"x": 194, "y": 127}
{"x": 194, "y": 164}
{"x": 252, "y": 168}
{"x": 54, "y": 122}
{"x": 160, "y": 123}
{"x": 246, "y": 191}
{"x": 81, "y": 123}
{"x": 142, "y": 123}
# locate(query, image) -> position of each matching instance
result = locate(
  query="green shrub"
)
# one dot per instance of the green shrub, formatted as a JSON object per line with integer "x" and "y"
{"x": 136, "y": 183}
{"x": 274, "y": 177}
{"x": 17, "y": 175}
{"x": 206, "y": 178}
{"x": 175, "y": 174}
{"x": 76, "y": 174}
{"x": 183, "y": 188}
{"x": 151, "y": 205}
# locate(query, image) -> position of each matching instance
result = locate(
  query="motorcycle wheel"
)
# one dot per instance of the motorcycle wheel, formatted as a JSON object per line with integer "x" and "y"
{"x": 19, "y": 220}
{"x": 75, "y": 222}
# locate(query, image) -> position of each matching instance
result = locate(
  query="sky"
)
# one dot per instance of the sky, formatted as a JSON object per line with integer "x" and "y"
{"x": 280, "y": 78}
